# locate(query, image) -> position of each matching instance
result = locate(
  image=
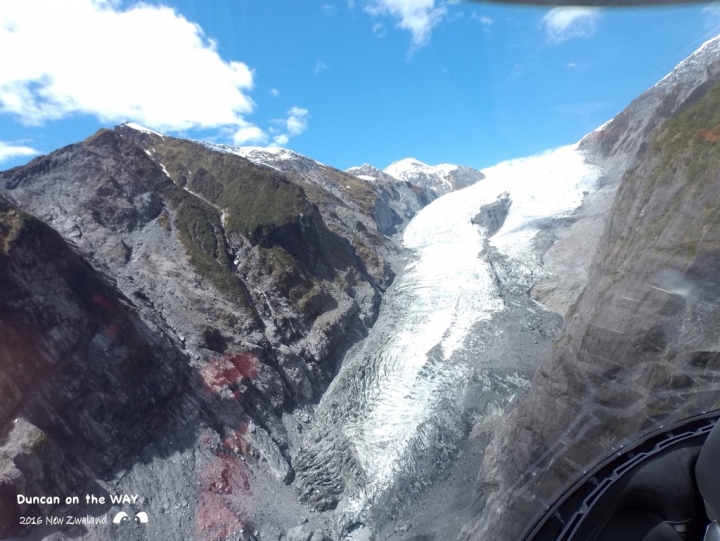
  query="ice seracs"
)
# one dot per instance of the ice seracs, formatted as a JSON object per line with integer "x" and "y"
{"x": 447, "y": 288}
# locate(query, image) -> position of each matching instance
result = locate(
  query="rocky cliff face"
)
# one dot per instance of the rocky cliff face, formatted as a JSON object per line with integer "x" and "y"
{"x": 613, "y": 146}
{"x": 240, "y": 287}
{"x": 172, "y": 315}
{"x": 86, "y": 380}
{"x": 639, "y": 347}
{"x": 630, "y": 131}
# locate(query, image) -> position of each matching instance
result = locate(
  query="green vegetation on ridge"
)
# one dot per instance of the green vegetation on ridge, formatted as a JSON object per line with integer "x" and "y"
{"x": 199, "y": 229}
{"x": 252, "y": 196}
{"x": 256, "y": 203}
{"x": 678, "y": 168}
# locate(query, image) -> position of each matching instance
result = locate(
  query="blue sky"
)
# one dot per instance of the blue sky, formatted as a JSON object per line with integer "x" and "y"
{"x": 342, "y": 81}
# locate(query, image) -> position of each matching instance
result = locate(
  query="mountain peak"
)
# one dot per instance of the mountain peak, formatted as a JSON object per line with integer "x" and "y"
{"x": 143, "y": 129}
{"x": 441, "y": 178}
{"x": 693, "y": 65}
{"x": 269, "y": 156}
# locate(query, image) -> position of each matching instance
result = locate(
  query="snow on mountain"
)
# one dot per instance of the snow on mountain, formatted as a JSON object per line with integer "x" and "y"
{"x": 370, "y": 173}
{"x": 269, "y": 156}
{"x": 410, "y": 167}
{"x": 692, "y": 66}
{"x": 442, "y": 178}
{"x": 142, "y": 129}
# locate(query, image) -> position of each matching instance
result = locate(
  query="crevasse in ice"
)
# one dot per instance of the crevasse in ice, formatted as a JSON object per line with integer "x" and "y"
{"x": 446, "y": 288}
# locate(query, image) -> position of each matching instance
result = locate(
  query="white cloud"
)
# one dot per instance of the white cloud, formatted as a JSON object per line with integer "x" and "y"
{"x": 483, "y": 19}
{"x": 417, "y": 16}
{"x": 142, "y": 63}
{"x": 10, "y": 150}
{"x": 295, "y": 124}
{"x": 711, "y": 13}
{"x": 320, "y": 66}
{"x": 296, "y": 121}
{"x": 565, "y": 23}
{"x": 275, "y": 92}
{"x": 249, "y": 135}
{"x": 329, "y": 9}
{"x": 280, "y": 140}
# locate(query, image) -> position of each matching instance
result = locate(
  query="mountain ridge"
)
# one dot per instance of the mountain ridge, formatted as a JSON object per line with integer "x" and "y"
{"x": 441, "y": 179}
{"x": 635, "y": 351}
{"x": 237, "y": 267}
{"x": 219, "y": 312}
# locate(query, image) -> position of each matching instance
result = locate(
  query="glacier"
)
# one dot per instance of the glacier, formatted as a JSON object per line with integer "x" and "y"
{"x": 446, "y": 287}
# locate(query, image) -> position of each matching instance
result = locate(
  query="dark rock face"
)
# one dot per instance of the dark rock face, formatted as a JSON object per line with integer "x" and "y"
{"x": 638, "y": 349}
{"x": 207, "y": 298}
{"x": 397, "y": 204}
{"x": 86, "y": 383}
{"x": 492, "y": 216}
{"x": 462, "y": 177}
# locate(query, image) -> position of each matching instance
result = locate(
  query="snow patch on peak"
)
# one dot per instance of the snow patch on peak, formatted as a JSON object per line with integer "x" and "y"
{"x": 369, "y": 173}
{"x": 694, "y": 64}
{"x": 404, "y": 167}
{"x": 446, "y": 168}
{"x": 410, "y": 166}
{"x": 269, "y": 156}
{"x": 602, "y": 126}
{"x": 143, "y": 129}
{"x": 442, "y": 178}
{"x": 277, "y": 153}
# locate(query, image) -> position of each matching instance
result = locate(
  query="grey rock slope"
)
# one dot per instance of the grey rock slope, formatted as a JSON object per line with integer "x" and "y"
{"x": 630, "y": 131}
{"x": 613, "y": 146}
{"x": 86, "y": 382}
{"x": 257, "y": 280}
{"x": 639, "y": 347}
{"x": 98, "y": 399}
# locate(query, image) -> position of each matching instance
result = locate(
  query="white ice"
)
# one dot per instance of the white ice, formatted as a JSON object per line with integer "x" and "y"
{"x": 444, "y": 291}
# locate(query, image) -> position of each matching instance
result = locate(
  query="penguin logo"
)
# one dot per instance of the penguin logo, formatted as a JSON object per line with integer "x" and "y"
{"x": 123, "y": 518}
